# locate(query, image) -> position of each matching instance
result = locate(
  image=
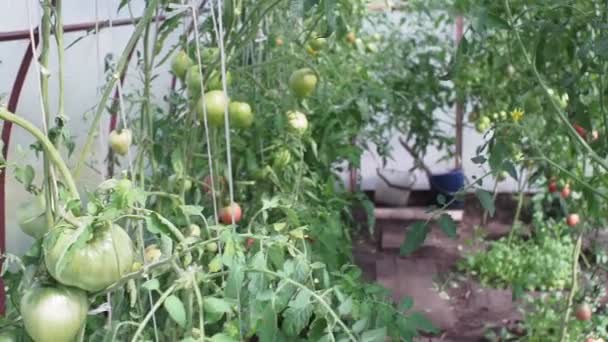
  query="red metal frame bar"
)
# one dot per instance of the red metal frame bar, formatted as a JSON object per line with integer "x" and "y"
{"x": 25, "y": 34}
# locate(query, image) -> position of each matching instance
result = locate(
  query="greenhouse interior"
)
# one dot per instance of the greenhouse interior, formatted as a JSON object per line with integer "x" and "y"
{"x": 303, "y": 170}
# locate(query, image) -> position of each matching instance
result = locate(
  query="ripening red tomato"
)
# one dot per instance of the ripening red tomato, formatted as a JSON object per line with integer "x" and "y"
{"x": 227, "y": 213}
{"x": 565, "y": 191}
{"x": 595, "y": 135}
{"x": 580, "y": 130}
{"x": 572, "y": 220}
{"x": 351, "y": 37}
{"x": 552, "y": 186}
{"x": 250, "y": 242}
{"x": 583, "y": 312}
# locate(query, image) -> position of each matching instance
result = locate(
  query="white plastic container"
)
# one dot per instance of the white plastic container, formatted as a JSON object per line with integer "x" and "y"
{"x": 393, "y": 187}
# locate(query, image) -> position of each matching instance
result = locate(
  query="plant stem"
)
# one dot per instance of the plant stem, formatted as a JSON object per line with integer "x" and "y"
{"x": 46, "y": 112}
{"x": 60, "y": 54}
{"x": 201, "y": 312}
{"x": 122, "y": 63}
{"x": 573, "y": 288}
{"x": 153, "y": 309}
{"x": 52, "y": 152}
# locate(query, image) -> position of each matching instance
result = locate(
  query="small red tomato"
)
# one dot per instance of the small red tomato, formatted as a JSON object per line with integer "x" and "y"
{"x": 595, "y": 135}
{"x": 583, "y": 312}
{"x": 250, "y": 242}
{"x": 566, "y": 192}
{"x": 572, "y": 220}
{"x": 580, "y": 130}
{"x": 228, "y": 212}
{"x": 552, "y": 186}
{"x": 278, "y": 42}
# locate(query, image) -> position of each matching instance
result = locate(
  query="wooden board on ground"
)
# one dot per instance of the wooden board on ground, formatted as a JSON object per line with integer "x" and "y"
{"x": 413, "y": 213}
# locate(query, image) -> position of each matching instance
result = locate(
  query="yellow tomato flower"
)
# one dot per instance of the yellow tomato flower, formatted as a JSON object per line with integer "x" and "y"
{"x": 517, "y": 114}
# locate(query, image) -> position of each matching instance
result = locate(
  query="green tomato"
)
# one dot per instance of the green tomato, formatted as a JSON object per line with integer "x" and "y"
{"x": 177, "y": 184}
{"x": 215, "y": 81}
{"x": 215, "y": 105}
{"x": 281, "y": 158}
{"x": 318, "y": 44}
{"x": 100, "y": 262}
{"x": 211, "y": 247}
{"x": 240, "y": 114}
{"x": 31, "y": 217}
{"x": 180, "y": 64}
{"x": 193, "y": 81}
{"x": 303, "y": 82}
{"x": 298, "y": 122}
{"x": 54, "y": 314}
{"x": 121, "y": 141}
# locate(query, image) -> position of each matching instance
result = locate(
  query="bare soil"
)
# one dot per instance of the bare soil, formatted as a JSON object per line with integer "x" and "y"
{"x": 458, "y": 305}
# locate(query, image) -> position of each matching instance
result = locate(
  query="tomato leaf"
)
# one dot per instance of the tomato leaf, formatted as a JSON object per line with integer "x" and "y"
{"x": 296, "y": 319}
{"x": 406, "y": 304}
{"x": 192, "y": 210}
{"x": 487, "y": 202}
{"x": 222, "y": 338}
{"x": 447, "y": 225}
{"x": 414, "y": 238}
{"x": 376, "y": 335}
{"x": 422, "y": 323}
{"x": 152, "y": 284}
{"x": 176, "y": 310}
{"x": 217, "y": 305}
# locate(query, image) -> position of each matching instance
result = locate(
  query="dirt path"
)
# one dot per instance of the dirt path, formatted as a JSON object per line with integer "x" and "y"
{"x": 460, "y": 307}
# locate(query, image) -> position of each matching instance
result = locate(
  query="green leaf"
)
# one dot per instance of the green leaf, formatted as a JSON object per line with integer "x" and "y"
{"x": 267, "y": 329}
{"x": 222, "y": 338}
{"x": 447, "y": 225}
{"x": 406, "y": 304}
{"x": 217, "y": 305}
{"x": 422, "y": 323}
{"x": 25, "y": 175}
{"x": 155, "y": 226}
{"x": 414, "y": 238}
{"x": 360, "y": 325}
{"x": 152, "y": 284}
{"x": 234, "y": 283}
{"x": 346, "y": 307}
{"x": 176, "y": 310}
{"x": 192, "y": 210}
{"x": 510, "y": 168}
{"x": 296, "y": 319}
{"x": 301, "y": 300}
{"x": 376, "y": 335}
{"x": 487, "y": 202}
{"x": 478, "y": 159}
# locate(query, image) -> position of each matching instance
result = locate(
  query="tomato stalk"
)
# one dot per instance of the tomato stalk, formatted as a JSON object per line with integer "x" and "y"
{"x": 150, "y": 314}
{"x": 46, "y": 112}
{"x": 576, "y": 253}
{"x": 122, "y": 63}
{"x": 52, "y": 152}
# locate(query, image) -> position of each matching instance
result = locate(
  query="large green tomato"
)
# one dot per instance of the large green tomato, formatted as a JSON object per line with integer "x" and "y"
{"x": 215, "y": 104}
{"x": 54, "y": 314}
{"x": 103, "y": 260}
{"x": 318, "y": 44}
{"x": 303, "y": 82}
{"x": 31, "y": 218}
{"x": 240, "y": 114}
{"x": 180, "y": 64}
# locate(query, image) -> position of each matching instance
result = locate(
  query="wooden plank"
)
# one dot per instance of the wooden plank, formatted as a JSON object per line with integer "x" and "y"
{"x": 413, "y": 213}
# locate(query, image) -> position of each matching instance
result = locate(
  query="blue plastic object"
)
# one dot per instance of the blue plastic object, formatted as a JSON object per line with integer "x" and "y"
{"x": 447, "y": 184}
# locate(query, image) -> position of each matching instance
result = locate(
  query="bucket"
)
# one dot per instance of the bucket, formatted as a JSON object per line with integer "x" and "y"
{"x": 394, "y": 187}
{"x": 447, "y": 184}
